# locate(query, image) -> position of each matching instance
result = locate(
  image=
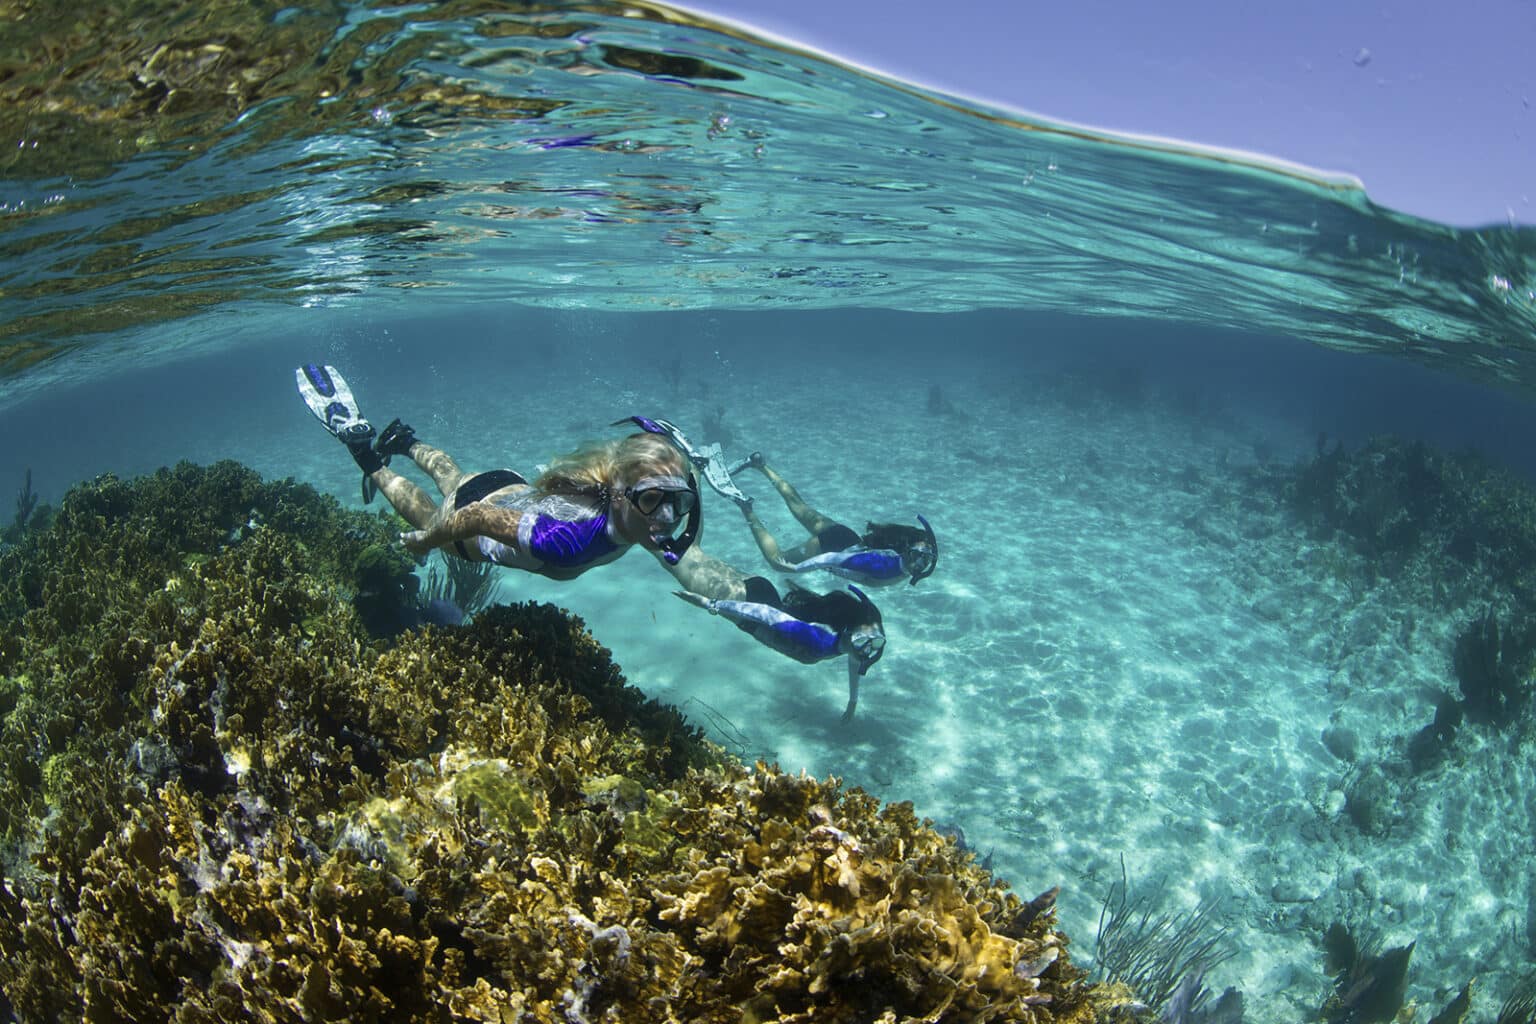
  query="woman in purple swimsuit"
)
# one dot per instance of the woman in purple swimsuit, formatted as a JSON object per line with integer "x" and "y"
{"x": 588, "y": 508}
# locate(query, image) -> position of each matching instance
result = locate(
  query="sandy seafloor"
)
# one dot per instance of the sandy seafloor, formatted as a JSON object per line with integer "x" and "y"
{"x": 1128, "y": 650}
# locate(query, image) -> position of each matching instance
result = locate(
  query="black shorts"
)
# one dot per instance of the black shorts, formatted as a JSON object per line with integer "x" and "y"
{"x": 481, "y": 484}
{"x": 477, "y": 487}
{"x": 837, "y": 537}
{"x": 761, "y": 591}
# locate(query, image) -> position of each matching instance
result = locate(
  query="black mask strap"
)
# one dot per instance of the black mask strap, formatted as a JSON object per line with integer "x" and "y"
{"x": 864, "y": 666}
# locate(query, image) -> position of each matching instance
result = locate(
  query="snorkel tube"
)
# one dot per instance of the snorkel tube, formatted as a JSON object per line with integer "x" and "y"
{"x": 933, "y": 542}
{"x": 865, "y": 666}
{"x": 672, "y": 548}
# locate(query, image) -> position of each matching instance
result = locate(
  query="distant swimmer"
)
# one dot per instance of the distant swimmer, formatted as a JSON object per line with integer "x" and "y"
{"x": 808, "y": 627}
{"x": 587, "y": 509}
{"x": 886, "y": 553}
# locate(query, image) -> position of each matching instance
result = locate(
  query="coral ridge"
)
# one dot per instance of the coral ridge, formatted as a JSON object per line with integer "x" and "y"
{"x": 222, "y": 799}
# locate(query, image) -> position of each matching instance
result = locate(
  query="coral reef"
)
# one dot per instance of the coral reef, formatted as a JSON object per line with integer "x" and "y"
{"x": 1384, "y": 497}
{"x": 1494, "y": 665}
{"x": 1462, "y": 528}
{"x": 221, "y": 799}
{"x": 1410, "y": 508}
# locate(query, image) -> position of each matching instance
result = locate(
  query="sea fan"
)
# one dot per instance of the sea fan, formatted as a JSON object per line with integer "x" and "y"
{"x": 1162, "y": 957}
{"x": 470, "y": 586}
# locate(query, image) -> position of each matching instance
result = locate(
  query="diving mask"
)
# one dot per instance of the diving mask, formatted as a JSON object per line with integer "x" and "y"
{"x": 654, "y": 495}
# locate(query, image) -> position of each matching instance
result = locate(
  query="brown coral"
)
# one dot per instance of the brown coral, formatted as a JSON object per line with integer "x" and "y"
{"x": 247, "y": 810}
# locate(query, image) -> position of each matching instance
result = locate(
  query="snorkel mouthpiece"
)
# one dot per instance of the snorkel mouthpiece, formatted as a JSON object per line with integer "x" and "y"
{"x": 933, "y": 564}
{"x": 672, "y": 548}
{"x": 646, "y": 424}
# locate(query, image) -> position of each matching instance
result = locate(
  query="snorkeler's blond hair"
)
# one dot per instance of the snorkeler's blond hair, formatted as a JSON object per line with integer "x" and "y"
{"x": 593, "y": 467}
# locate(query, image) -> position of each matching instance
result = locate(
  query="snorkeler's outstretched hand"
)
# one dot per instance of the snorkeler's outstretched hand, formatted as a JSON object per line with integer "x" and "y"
{"x": 698, "y": 601}
{"x": 853, "y": 690}
{"x": 415, "y": 542}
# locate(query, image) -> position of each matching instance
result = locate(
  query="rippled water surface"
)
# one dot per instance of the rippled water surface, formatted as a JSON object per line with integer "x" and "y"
{"x": 598, "y": 156}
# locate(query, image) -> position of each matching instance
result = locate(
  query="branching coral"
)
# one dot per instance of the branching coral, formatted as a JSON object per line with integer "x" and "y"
{"x": 26, "y": 504}
{"x": 1494, "y": 663}
{"x": 221, "y": 800}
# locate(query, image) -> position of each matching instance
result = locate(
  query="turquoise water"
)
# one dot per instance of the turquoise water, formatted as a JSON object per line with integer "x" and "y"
{"x": 511, "y": 228}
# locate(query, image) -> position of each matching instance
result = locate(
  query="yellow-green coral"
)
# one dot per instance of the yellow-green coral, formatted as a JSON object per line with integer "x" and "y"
{"x": 268, "y": 816}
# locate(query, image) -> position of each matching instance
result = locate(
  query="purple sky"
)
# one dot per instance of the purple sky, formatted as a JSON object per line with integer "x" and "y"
{"x": 1426, "y": 101}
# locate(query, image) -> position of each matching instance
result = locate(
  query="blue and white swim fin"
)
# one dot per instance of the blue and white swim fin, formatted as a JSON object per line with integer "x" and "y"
{"x": 326, "y": 393}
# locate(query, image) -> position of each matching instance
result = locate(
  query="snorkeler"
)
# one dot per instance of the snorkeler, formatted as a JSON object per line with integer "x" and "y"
{"x": 803, "y": 625}
{"x": 588, "y": 508}
{"x": 887, "y": 553}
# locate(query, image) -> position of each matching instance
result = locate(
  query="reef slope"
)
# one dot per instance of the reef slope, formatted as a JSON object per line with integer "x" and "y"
{"x": 222, "y": 799}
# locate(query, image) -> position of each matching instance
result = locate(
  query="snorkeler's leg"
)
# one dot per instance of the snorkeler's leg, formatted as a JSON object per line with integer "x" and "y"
{"x": 766, "y": 542}
{"x": 808, "y": 517}
{"x": 399, "y": 439}
{"x": 439, "y": 465}
{"x": 414, "y": 504}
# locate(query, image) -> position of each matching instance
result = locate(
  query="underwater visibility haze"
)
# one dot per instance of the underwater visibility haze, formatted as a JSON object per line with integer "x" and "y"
{"x": 1224, "y": 669}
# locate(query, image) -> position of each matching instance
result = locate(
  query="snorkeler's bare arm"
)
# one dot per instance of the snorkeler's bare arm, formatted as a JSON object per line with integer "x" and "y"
{"x": 707, "y": 576}
{"x": 479, "y": 519}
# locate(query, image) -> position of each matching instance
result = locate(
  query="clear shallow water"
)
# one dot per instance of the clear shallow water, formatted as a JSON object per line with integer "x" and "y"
{"x": 506, "y": 227}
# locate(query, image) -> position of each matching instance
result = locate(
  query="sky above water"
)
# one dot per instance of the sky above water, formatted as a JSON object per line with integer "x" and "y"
{"x": 1427, "y": 102}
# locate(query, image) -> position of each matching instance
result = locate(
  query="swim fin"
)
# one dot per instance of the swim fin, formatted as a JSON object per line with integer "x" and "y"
{"x": 329, "y": 397}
